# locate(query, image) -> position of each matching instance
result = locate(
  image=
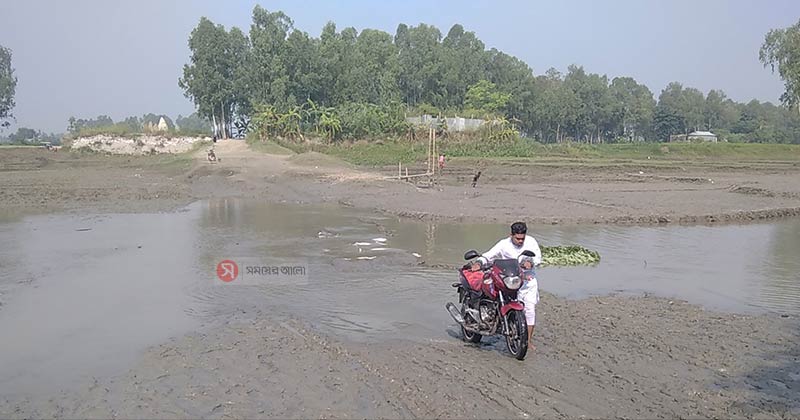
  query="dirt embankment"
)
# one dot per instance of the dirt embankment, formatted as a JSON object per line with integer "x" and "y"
{"x": 145, "y": 144}
{"x": 540, "y": 193}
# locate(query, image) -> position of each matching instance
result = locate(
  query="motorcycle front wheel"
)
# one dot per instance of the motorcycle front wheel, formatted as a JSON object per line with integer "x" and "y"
{"x": 517, "y": 338}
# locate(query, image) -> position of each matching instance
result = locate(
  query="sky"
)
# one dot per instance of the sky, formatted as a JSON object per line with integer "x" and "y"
{"x": 85, "y": 58}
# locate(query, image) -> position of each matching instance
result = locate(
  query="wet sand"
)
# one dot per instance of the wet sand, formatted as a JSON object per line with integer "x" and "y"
{"x": 609, "y": 356}
{"x": 603, "y": 357}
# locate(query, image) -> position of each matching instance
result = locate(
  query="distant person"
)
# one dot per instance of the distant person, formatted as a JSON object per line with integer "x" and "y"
{"x": 441, "y": 162}
{"x": 475, "y": 179}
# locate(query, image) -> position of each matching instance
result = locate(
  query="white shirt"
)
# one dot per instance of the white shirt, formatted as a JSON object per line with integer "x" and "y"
{"x": 505, "y": 248}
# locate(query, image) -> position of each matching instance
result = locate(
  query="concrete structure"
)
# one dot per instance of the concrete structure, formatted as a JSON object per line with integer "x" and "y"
{"x": 695, "y": 136}
{"x": 453, "y": 124}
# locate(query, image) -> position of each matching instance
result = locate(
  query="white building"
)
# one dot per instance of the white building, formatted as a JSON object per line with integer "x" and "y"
{"x": 703, "y": 136}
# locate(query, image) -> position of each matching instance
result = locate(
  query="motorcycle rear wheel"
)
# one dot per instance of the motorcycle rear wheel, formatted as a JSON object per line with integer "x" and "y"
{"x": 517, "y": 339}
{"x": 469, "y": 336}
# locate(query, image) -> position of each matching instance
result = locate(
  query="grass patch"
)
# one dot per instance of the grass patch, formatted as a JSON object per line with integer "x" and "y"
{"x": 393, "y": 151}
{"x": 269, "y": 147}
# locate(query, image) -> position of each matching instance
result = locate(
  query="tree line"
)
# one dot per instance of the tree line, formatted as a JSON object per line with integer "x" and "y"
{"x": 349, "y": 84}
{"x": 279, "y": 68}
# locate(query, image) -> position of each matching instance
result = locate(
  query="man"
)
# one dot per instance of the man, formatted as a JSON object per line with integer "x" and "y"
{"x": 513, "y": 247}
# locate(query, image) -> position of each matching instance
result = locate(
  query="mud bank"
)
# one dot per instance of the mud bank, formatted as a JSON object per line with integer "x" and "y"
{"x": 629, "y": 357}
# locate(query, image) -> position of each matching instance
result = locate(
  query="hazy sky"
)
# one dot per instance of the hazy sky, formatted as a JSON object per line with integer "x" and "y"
{"x": 121, "y": 58}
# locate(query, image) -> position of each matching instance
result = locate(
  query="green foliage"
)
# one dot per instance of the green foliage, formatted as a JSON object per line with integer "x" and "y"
{"x": 29, "y": 136}
{"x": 24, "y": 135}
{"x": 8, "y": 85}
{"x": 119, "y": 129}
{"x": 485, "y": 96}
{"x": 781, "y": 50}
{"x": 385, "y": 153}
{"x": 568, "y": 256}
{"x": 217, "y": 77}
{"x": 390, "y": 152}
{"x": 76, "y": 125}
{"x": 255, "y": 142}
{"x": 426, "y": 109}
{"x": 193, "y": 124}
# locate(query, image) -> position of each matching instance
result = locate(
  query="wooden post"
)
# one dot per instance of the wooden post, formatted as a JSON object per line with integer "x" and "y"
{"x": 435, "y": 155}
{"x": 430, "y": 145}
{"x": 399, "y": 170}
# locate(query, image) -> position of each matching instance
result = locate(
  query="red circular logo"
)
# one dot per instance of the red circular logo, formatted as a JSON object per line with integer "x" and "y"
{"x": 227, "y": 271}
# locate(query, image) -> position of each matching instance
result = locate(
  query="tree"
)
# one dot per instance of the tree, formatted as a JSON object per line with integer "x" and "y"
{"x": 781, "y": 49}
{"x": 554, "y": 108}
{"x": 302, "y": 67}
{"x": 269, "y": 81}
{"x": 420, "y": 64}
{"x": 512, "y": 76}
{"x": 666, "y": 122}
{"x": 76, "y": 125}
{"x": 215, "y": 79}
{"x": 633, "y": 107}
{"x": 720, "y": 112}
{"x": 375, "y": 74}
{"x": 24, "y": 135}
{"x": 464, "y": 64}
{"x": 594, "y": 117}
{"x": 193, "y": 123}
{"x": 8, "y": 85}
{"x": 361, "y": 84}
{"x": 133, "y": 124}
{"x": 484, "y": 96}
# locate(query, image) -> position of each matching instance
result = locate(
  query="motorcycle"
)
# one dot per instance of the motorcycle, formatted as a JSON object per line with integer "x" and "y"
{"x": 489, "y": 304}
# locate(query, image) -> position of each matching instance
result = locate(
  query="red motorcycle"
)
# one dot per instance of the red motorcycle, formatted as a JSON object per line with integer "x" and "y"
{"x": 489, "y": 304}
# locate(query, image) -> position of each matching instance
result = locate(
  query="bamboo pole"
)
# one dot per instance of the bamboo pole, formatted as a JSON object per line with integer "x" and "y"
{"x": 430, "y": 146}
{"x": 435, "y": 154}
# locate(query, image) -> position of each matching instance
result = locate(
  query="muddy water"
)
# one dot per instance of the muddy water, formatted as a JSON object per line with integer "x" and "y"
{"x": 750, "y": 268}
{"x": 740, "y": 268}
{"x": 82, "y": 296}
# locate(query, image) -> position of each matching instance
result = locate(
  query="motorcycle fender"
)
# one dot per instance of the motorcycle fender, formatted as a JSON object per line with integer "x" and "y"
{"x": 511, "y": 306}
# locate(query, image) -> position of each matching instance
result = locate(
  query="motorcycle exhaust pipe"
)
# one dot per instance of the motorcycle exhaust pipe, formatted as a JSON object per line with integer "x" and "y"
{"x": 454, "y": 312}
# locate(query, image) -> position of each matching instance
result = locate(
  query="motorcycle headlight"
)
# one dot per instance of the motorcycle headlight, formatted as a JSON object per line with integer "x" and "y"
{"x": 513, "y": 282}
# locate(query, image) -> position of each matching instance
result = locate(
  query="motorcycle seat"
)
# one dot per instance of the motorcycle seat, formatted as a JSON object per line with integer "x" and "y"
{"x": 474, "y": 278}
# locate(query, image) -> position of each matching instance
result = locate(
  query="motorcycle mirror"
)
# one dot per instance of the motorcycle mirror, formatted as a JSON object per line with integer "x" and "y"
{"x": 528, "y": 253}
{"x": 471, "y": 254}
